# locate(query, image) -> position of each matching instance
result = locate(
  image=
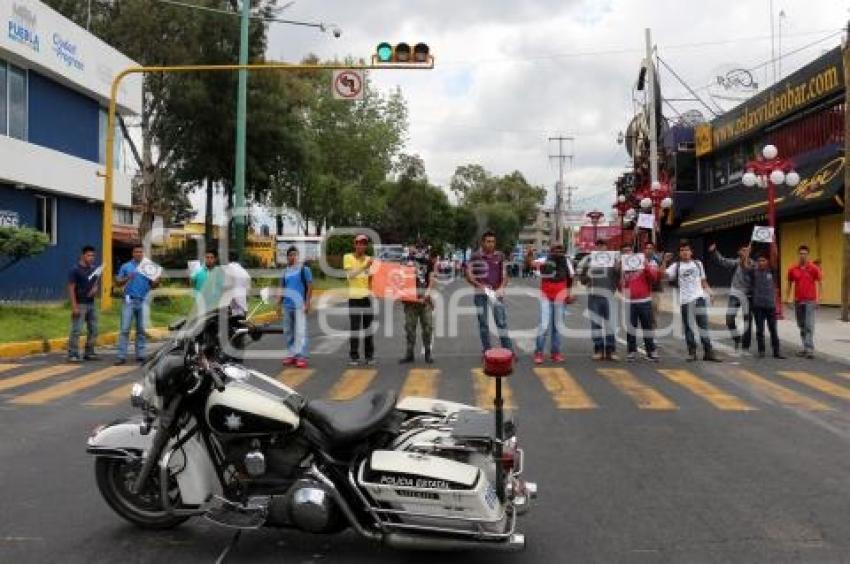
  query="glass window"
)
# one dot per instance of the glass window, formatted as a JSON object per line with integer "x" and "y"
{"x": 101, "y": 136}
{"x": 3, "y": 109}
{"x": 17, "y": 85}
{"x": 46, "y": 217}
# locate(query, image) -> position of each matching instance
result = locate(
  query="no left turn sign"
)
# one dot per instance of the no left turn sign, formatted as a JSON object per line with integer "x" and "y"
{"x": 348, "y": 84}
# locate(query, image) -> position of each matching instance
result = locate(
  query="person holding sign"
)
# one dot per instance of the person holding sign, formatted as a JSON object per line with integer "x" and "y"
{"x": 137, "y": 282}
{"x": 556, "y": 274}
{"x": 764, "y": 304}
{"x": 487, "y": 273}
{"x": 418, "y": 309}
{"x": 599, "y": 273}
{"x": 83, "y": 284}
{"x": 357, "y": 267}
{"x": 740, "y": 293}
{"x": 639, "y": 274}
{"x": 688, "y": 275}
{"x": 805, "y": 282}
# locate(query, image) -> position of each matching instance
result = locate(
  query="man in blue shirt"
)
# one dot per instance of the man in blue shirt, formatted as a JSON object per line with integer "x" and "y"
{"x": 83, "y": 282}
{"x": 136, "y": 289}
{"x": 297, "y": 283}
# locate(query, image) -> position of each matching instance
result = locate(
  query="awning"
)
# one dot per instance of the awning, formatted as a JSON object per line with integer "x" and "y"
{"x": 821, "y": 181}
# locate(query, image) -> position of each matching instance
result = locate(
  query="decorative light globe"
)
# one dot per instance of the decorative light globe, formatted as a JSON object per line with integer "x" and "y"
{"x": 749, "y": 179}
{"x": 777, "y": 177}
{"x": 770, "y": 152}
{"x": 645, "y": 203}
{"x": 792, "y": 178}
{"x": 667, "y": 203}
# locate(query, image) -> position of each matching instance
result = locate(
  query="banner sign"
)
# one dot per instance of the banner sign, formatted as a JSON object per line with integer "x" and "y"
{"x": 633, "y": 262}
{"x": 393, "y": 281}
{"x": 9, "y": 218}
{"x": 763, "y": 234}
{"x": 820, "y": 79}
{"x": 603, "y": 259}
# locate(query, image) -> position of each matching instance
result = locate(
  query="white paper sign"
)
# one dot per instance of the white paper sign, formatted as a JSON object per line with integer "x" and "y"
{"x": 149, "y": 269}
{"x": 491, "y": 294}
{"x": 194, "y": 267}
{"x": 646, "y": 221}
{"x": 633, "y": 262}
{"x": 763, "y": 234}
{"x": 603, "y": 259}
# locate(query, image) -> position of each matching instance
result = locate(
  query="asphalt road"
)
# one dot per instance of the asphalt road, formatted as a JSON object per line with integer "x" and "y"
{"x": 744, "y": 461}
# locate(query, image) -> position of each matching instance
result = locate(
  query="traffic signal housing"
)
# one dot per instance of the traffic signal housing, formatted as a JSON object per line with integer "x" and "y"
{"x": 402, "y": 54}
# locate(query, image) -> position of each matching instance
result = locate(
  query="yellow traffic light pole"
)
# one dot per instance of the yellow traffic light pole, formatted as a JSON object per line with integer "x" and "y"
{"x": 109, "y": 174}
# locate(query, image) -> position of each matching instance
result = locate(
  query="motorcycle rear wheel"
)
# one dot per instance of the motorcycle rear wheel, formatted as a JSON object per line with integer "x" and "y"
{"x": 115, "y": 478}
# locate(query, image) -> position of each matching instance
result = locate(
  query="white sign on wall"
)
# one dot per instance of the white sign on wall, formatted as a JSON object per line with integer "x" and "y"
{"x": 54, "y": 45}
{"x": 9, "y": 218}
{"x": 763, "y": 234}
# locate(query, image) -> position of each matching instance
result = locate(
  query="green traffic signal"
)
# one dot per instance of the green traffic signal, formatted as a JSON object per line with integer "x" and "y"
{"x": 385, "y": 52}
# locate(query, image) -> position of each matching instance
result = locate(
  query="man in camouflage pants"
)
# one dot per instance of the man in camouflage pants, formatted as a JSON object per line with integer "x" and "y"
{"x": 420, "y": 310}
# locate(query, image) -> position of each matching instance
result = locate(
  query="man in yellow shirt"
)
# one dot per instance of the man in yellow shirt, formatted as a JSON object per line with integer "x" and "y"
{"x": 360, "y": 313}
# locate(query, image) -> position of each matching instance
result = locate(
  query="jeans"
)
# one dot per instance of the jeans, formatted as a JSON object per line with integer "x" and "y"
{"x": 360, "y": 315}
{"x": 422, "y": 314}
{"x": 640, "y": 314}
{"x": 295, "y": 332}
{"x": 482, "y": 302}
{"x": 743, "y": 303}
{"x": 88, "y": 313}
{"x": 805, "y": 312}
{"x": 601, "y": 327}
{"x": 551, "y": 313}
{"x": 135, "y": 308}
{"x": 695, "y": 312}
{"x": 766, "y": 315}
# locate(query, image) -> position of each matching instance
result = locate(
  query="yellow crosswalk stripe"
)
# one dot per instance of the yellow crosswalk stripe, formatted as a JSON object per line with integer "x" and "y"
{"x": 818, "y": 383}
{"x": 707, "y": 391}
{"x": 36, "y": 376}
{"x": 68, "y": 387}
{"x": 119, "y": 395}
{"x": 420, "y": 382}
{"x": 563, "y": 388}
{"x": 354, "y": 382}
{"x": 779, "y": 393}
{"x": 7, "y": 367}
{"x": 485, "y": 390}
{"x": 644, "y": 396}
{"x": 294, "y": 377}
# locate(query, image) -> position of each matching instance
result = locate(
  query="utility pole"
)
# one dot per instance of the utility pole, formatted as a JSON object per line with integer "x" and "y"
{"x": 845, "y": 278}
{"x": 241, "y": 142}
{"x": 557, "y": 236}
{"x": 653, "y": 119}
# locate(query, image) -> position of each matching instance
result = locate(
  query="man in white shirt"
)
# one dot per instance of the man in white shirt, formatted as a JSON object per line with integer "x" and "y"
{"x": 688, "y": 275}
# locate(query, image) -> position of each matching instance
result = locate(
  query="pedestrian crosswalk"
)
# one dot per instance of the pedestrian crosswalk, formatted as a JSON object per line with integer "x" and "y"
{"x": 581, "y": 388}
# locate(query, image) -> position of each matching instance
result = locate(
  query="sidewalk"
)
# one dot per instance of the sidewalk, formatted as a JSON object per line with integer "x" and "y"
{"x": 832, "y": 336}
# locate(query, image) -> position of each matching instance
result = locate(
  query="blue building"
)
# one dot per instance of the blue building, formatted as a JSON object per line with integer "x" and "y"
{"x": 55, "y": 81}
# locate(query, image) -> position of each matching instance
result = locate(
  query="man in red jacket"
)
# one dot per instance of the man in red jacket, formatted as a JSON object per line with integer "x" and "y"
{"x": 638, "y": 274}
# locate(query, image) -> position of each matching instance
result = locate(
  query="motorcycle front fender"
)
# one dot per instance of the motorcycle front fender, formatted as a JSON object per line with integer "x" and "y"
{"x": 120, "y": 439}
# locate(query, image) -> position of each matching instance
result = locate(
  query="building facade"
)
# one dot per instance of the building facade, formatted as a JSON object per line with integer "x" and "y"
{"x": 55, "y": 81}
{"x": 803, "y": 116}
{"x": 537, "y": 234}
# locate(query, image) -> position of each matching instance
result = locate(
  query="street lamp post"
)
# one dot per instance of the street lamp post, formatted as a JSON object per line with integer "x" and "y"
{"x": 623, "y": 206}
{"x": 769, "y": 172}
{"x": 594, "y": 217}
{"x": 658, "y": 199}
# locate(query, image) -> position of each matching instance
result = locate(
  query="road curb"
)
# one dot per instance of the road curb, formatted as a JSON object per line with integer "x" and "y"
{"x": 60, "y": 344}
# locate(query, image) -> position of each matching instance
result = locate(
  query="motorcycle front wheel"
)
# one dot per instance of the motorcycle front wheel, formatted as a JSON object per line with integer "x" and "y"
{"x": 115, "y": 479}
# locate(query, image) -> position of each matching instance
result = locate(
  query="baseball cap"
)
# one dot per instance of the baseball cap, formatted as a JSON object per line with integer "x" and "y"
{"x": 361, "y": 237}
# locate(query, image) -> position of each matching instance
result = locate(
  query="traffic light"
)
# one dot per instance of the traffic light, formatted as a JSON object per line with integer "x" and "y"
{"x": 401, "y": 53}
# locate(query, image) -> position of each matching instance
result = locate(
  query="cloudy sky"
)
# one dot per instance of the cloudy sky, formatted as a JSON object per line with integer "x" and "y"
{"x": 510, "y": 74}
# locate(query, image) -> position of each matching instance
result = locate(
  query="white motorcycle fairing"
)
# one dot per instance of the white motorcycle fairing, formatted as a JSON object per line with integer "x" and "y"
{"x": 443, "y": 408}
{"x": 190, "y": 462}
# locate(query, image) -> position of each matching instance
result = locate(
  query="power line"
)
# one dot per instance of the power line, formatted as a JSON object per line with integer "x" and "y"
{"x": 318, "y": 25}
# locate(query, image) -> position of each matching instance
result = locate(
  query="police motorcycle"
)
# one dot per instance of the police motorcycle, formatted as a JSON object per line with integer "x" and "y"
{"x": 218, "y": 440}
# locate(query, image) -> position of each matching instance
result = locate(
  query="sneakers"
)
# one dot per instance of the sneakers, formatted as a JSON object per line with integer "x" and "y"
{"x": 301, "y": 363}
{"x": 91, "y": 357}
{"x": 428, "y": 358}
{"x": 653, "y": 357}
{"x": 692, "y": 356}
{"x": 538, "y": 358}
{"x": 354, "y": 362}
{"x": 289, "y": 361}
{"x": 779, "y": 356}
{"x": 711, "y": 357}
{"x": 120, "y": 361}
{"x": 408, "y": 358}
{"x": 631, "y": 357}
{"x": 810, "y": 355}
{"x": 369, "y": 362}
{"x": 598, "y": 356}
{"x": 801, "y": 354}
{"x": 74, "y": 358}
{"x": 557, "y": 357}
{"x": 612, "y": 356}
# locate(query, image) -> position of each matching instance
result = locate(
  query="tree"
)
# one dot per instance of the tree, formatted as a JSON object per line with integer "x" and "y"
{"x": 475, "y": 187}
{"x": 18, "y": 243}
{"x": 501, "y": 219}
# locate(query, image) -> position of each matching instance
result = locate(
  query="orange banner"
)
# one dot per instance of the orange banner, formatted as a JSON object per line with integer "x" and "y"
{"x": 393, "y": 281}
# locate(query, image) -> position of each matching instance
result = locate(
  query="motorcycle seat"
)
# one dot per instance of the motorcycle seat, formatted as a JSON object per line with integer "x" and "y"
{"x": 344, "y": 422}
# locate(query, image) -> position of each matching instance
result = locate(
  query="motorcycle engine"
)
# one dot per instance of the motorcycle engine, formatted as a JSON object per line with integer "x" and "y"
{"x": 307, "y": 506}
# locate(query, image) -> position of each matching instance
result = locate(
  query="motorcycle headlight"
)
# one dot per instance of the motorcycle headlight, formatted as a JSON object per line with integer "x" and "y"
{"x": 137, "y": 393}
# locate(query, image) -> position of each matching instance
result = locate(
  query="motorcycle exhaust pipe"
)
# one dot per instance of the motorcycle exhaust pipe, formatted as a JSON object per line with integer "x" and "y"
{"x": 405, "y": 541}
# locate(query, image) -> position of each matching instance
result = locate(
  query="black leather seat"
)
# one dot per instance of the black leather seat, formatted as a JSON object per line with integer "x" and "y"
{"x": 350, "y": 421}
